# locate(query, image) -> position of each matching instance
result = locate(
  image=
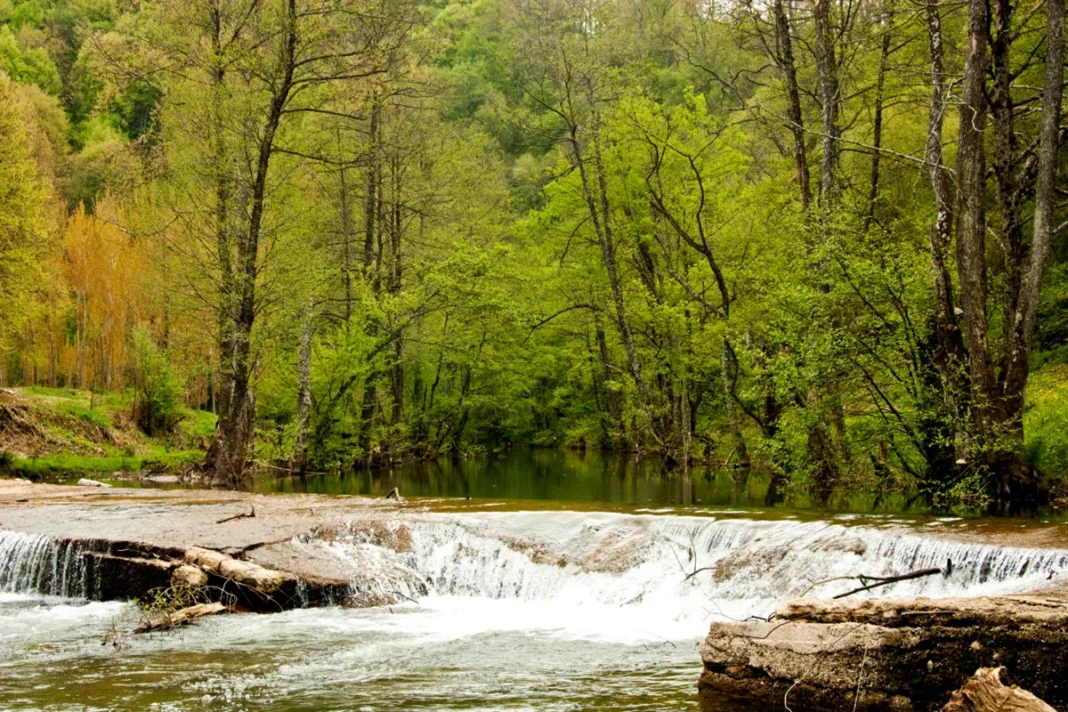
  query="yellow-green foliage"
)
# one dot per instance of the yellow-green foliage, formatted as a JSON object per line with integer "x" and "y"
{"x": 23, "y": 197}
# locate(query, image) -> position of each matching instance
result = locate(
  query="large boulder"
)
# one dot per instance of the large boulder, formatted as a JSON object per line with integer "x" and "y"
{"x": 905, "y": 654}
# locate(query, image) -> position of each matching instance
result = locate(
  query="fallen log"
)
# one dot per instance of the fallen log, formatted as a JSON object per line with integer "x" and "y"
{"x": 984, "y": 692}
{"x": 252, "y": 575}
{"x": 189, "y": 575}
{"x": 167, "y": 621}
{"x": 207, "y": 559}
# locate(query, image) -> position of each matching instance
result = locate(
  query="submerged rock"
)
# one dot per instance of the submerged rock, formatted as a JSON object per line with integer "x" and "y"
{"x": 126, "y": 577}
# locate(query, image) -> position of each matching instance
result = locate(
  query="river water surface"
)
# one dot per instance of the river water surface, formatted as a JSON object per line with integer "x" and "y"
{"x": 544, "y": 606}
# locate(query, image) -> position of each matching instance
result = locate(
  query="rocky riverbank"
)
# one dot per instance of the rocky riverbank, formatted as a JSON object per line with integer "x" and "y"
{"x": 889, "y": 654}
{"x": 134, "y": 541}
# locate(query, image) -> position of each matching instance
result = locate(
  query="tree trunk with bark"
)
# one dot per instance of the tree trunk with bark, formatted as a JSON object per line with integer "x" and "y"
{"x": 785, "y": 60}
{"x": 235, "y": 431}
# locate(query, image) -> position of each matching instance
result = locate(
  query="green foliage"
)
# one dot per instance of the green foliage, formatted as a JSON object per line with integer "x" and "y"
{"x": 24, "y": 228}
{"x": 1045, "y": 421}
{"x": 30, "y": 66}
{"x": 549, "y": 223}
{"x": 157, "y": 390}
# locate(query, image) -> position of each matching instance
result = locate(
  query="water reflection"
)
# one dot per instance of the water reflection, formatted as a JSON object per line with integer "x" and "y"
{"x": 578, "y": 476}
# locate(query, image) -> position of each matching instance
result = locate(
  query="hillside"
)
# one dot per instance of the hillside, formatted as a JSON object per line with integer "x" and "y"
{"x": 53, "y": 433}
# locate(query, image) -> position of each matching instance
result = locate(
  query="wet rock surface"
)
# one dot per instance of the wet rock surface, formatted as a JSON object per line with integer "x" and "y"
{"x": 891, "y": 654}
{"x": 138, "y": 540}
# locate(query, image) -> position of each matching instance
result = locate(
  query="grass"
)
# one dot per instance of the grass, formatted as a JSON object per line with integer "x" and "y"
{"x": 64, "y": 464}
{"x": 91, "y": 407}
{"x": 85, "y": 451}
{"x": 197, "y": 424}
{"x": 1046, "y": 420}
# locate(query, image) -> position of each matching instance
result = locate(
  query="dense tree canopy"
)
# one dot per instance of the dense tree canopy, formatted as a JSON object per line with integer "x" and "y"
{"x": 821, "y": 238}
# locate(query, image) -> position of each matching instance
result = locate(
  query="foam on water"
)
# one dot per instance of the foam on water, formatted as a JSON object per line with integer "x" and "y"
{"x": 628, "y": 578}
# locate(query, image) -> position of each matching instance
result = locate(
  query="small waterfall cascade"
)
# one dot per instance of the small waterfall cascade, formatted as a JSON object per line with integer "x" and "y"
{"x": 692, "y": 566}
{"x": 31, "y": 563}
{"x": 727, "y": 567}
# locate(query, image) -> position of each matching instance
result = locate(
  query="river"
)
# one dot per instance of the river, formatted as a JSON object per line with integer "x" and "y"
{"x": 499, "y": 604}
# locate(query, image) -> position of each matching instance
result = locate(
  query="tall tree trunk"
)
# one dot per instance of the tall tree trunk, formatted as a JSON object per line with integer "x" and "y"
{"x": 367, "y": 413}
{"x": 598, "y": 204}
{"x": 785, "y": 61}
{"x": 397, "y": 370}
{"x": 971, "y": 223}
{"x": 827, "y": 69}
{"x": 1017, "y": 483}
{"x": 877, "y": 123}
{"x": 371, "y": 198}
{"x": 236, "y": 429}
{"x": 729, "y": 368}
{"x": 346, "y": 243}
{"x": 612, "y": 400}
{"x": 1004, "y": 160}
{"x": 952, "y": 358}
{"x": 943, "y": 362}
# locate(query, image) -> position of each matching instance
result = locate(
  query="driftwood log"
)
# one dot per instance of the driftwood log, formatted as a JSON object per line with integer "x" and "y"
{"x": 244, "y": 515}
{"x": 167, "y": 621}
{"x": 984, "y": 692}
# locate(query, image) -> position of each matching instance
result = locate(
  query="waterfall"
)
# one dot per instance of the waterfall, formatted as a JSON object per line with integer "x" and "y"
{"x": 31, "y": 563}
{"x": 723, "y": 567}
{"x": 637, "y": 563}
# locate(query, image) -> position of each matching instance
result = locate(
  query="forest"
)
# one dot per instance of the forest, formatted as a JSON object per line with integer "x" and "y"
{"x": 822, "y": 238}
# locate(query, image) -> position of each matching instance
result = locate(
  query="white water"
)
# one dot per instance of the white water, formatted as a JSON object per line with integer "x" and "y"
{"x": 625, "y": 578}
{"x": 35, "y": 563}
{"x": 525, "y": 611}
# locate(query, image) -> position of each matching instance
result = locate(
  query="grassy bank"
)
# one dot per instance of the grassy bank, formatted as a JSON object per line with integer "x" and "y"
{"x": 58, "y": 433}
{"x": 1046, "y": 421}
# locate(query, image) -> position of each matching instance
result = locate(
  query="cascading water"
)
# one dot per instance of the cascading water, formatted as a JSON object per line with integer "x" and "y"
{"x": 35, "y": 563}
{"x": 626, "y": 577}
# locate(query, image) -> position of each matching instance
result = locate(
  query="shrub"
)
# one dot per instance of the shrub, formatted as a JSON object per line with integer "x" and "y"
{"x": 157, "y": 391}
